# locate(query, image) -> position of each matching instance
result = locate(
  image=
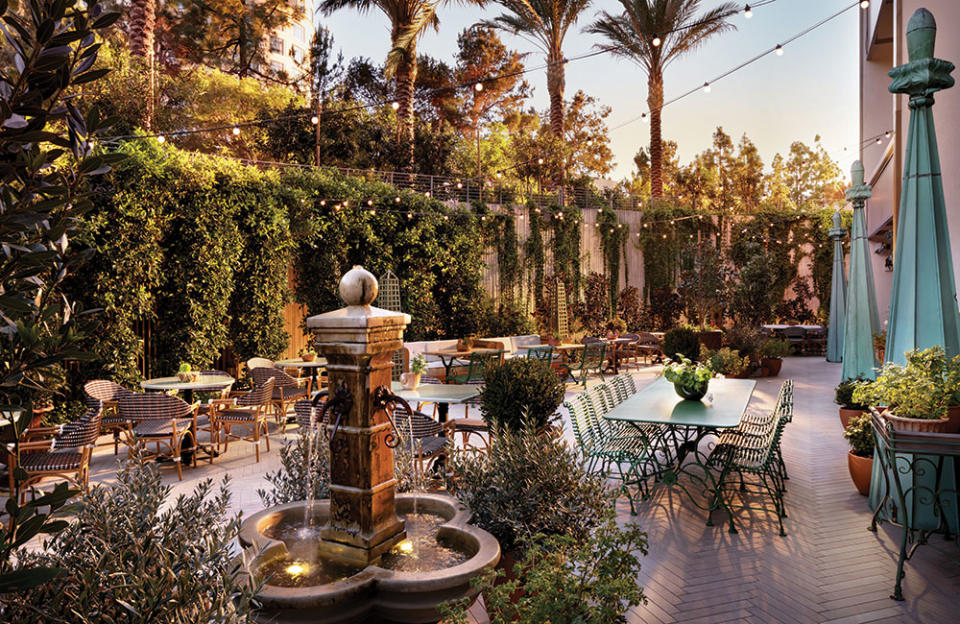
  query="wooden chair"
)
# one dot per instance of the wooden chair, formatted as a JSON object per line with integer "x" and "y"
{"x": 287, "y": 390}
{"x": 105, "y": 393}
{"x": 65, "y": 455}
{"x": 164, "y": 420}
{"x": 247, "y": 410}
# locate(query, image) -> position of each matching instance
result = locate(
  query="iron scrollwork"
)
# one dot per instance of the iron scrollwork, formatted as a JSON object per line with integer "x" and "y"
{"x": 384, "y": 399}
{"x": 340, "y": 404}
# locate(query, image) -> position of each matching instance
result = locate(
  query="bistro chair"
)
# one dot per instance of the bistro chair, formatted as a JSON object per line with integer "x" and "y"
{"x": 476, "y": 367}
{"x": 814, "y": 342}
{"x": 259, "y": 362}
{"x": 287, "y": 390}
{"x": 247, "y": 410}
{"x": 796, "y": 336}
{"x": 423, "y": 437}
{"x": 65, "y": 455}
{"x": 628, "y": 354}
{"x": 305, "y": 411}
{"x": 164, "y": 420}
{"x": 649, "y": 347}
{"x": 105, "y": 393}
{"x": 591, "y": 359}
{"x": 544, "y": 353}
{"x": 204, "y": 421}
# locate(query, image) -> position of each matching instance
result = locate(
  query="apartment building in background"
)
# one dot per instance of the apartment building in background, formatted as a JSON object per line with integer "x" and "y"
{"x": 287, "y": 50}
{"x": 886, "y": 116}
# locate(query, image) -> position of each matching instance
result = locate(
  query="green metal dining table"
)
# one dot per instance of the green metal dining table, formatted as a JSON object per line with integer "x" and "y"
{"x": 677, "y": 434}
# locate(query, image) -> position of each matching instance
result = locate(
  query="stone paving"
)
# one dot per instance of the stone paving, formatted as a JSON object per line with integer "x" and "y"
{"x": 827, "y": 569}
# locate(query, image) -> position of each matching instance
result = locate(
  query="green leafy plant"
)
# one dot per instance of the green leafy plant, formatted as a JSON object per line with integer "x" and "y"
{"x": 724, "y": 361}
{"x": 304, "y": 469}
{"x": 527, "y": 484}
{"x": 744, "y": 340}
{"x": 681, "y": 342}
{"x": 925, "y": 388}
{"x": 564, "y": 580}
{"x": 520, "y": 391}
{"x": 687, "y": 373}
{"x": 843, "y": 395}
{"x": 418, "y": 365}
{"x": 134, "y": 555}
{"x": 859, "y": 433}
{"x": 775, "y": 348}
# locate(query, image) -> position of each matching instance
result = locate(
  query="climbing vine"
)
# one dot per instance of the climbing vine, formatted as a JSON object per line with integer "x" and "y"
{"x": 534, "y": 256}
{"x": 565, "y": 222}
{"x": 613, "y": 237}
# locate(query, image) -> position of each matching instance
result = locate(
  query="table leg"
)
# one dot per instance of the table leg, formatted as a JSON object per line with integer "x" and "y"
{"x": 443, "y": 411}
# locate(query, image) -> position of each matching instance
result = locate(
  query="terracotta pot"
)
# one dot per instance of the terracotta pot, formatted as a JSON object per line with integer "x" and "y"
{"x": 953, "y": 413}
{"x": 771, "y": 366}
{"x": 846, "y": 415}
{"x": 410, "y": 381}
{"x": 308, "y": 357}
{"x": 507, "y": 563}
{"x": 861, "y": 468}
{"x": 923, "y": 425}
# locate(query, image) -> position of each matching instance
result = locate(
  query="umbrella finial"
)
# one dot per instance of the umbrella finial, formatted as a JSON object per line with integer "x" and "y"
{"x": 921, "y": 35}
{"x": 856, "y": 173}
{"x": 837, "y": 220}
{"x": 858, "y": 190}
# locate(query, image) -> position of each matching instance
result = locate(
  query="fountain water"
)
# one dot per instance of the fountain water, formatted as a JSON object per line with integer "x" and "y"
{"x": 374, "y": 554}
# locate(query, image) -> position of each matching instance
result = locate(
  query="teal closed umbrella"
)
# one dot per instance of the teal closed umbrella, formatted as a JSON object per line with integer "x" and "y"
{"x": 838, "y": 294}
{"x": 923, "y": 303}
{"x": 862, "y": 320}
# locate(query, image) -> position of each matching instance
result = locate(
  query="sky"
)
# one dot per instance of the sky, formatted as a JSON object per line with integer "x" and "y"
{"x": 812, "y": 89}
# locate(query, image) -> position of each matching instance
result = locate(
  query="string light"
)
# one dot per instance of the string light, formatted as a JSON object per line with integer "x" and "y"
{"x": 478, "y": 87}
{"x": 323, "y": 202}
{"x": 779, "y": 50}
{"x": 314, "y": 120}
{"x": 397, "y": 199}
{"x": 539, "y": 161}
{"x": 747, "y": 11}
{"x": 865, "y": 4}
{"x": 161, "y": 139}
{"x": 395, "y": 105}
{"x": 409, "y": 215}
{"x": 706, "y": 87}
{"x": 656, "y": 41}
{"x": 236, "y": 131}
{"x": 644, "y": 118}
{"x": 369, "y": 202}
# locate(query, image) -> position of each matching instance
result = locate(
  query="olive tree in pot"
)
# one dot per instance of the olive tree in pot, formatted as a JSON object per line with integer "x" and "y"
{"x": 859, "y": 433}
{"x": 849, "y": 408}
{"x": 521, "y": 391}
{"x": 924, "y": 395}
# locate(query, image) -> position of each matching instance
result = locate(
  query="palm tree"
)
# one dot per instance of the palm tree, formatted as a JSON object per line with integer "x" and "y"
{"x": 546, "y": 23}
{"x": 653, "y": 33}
{"x": 142, "y": 23}
{"x": 408, "y": 21}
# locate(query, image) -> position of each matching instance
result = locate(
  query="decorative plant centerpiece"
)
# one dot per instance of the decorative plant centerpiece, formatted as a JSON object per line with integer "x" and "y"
{"x": 411, "y": 380}
{"x": 308, "y": 355}
{"x": 849, "y": 408}
{"x": 924, "y": 395}
{"x": 859, "y": 433}
{"x": 689, "y": 379}
{"x": 772, "y": 353}
{"x": 725, "y": 362}
{"x": 187, "y": 374}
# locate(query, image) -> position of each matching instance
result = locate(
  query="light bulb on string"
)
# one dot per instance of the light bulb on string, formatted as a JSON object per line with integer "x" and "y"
{"x": 886, "y": 134}
{"x": 865, "y": 4}
{"x": 369, "y": 202}
{"x": 779, "y": 50}
{"x": 478, "y": 87}
{"x": 236, "y": 130}
{"x": 395, "y": 105}
{"x": 397, "y": 199}
{"x": 747, "y": 11}
{"x": 656, "y": 41}
{"x": 706, "y": 87}
{"x": 539, "y": 161}
{"x": 644, "y": 118}
{"x": 314, "y": 120}
{"x": 161, "y": 139}
{"x": 409, "y": 215}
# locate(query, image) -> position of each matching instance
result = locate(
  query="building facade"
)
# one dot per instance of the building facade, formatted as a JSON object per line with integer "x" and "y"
{"x": 884, "y": 119}
{"x": 287, "y": 51}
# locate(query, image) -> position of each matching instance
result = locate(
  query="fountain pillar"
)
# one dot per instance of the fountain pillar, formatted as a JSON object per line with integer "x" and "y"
{"x": 358, "y": 343}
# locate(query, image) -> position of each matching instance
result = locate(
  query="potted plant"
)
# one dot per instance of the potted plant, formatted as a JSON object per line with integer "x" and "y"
{"x": 681, "y": 342}
{"x": 521, "y": 391}
{"x": 924, "y": 395}
{"x": 744, "y": 340}
{"x": 187, "y": 374}
{"x": 843, "y": 396}
{"x": 725, "y": 362}
{"x": 411, "y": 380}
{"x": 880, "y": 345}
{"x": 689, "y": 379}
{"x": 308, "y": 354}
{"x": 771, "y": 356}
{"x": 710, "y": 337}
{"x": 859, "y": 433}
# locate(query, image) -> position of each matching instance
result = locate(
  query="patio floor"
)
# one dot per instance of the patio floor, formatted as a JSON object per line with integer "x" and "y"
{"x": 828, "y": 568}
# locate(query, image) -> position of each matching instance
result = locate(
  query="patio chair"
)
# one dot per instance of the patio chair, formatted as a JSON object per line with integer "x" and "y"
{"x": 423, "y": 437}
{"x": 628, "y": 354}
{"x": 287, "y": 390}
{"x": 305, "y": 412}
{"x": 795, "y": 335}
{"x": 247, "y": 410}
{"x": 259, "y": 362}
{"x": 65, "y": 455}
{"x": 476, "y": 367}
{"x": 204, "y": 421}
{"x": 163, "y": 420}
{"x": 544, "y": 353}
{"x": 649, "y": 347}
{"x": 814, "y": 342}
{"x": 591, "y": 359}
{"x": 108, "y": 394}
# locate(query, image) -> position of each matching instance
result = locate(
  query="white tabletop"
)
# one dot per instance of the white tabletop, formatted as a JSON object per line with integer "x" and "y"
{"x": 318, "y": 362}
{"x": 174, "y": 383}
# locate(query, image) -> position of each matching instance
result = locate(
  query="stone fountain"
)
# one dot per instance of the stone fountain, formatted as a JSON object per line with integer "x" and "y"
{"x": 367, "y": 553}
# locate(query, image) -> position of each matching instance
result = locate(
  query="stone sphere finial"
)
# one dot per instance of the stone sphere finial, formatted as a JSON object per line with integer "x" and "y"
{"x": 856, "y": 173}
{"x": 358, "y": 287}
{"x": 921, "y": 35}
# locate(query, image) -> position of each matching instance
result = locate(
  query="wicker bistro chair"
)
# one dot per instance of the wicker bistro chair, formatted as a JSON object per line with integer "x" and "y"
{"x": 204, "y": 420}
{"x": 164, "y": 420}
{"x": 108, "y": 394}
{"x": 591, "y": 359}
{"x": 307, "y": 415}
{"x": 424, "y": 438}
{"x": 66, "y": 455}
{"x": 287, "y": 390}
{"x": 247, "y": 410}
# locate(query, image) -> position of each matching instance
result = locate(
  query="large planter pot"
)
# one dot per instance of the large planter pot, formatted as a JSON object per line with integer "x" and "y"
{"x": 712, "y": 340}
{"x": 846, "y": 415}
{"x": 692, "y": 392}
{"x": 771, "y": 366}
{"x": 860, "y": 470}
{"x": 921, "y": 425}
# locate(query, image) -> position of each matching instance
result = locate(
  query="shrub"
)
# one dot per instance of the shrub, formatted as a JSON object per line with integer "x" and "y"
{"x": 843, "y": 395}
{"x": 134, "y": 556}
{"x": 775, "y": 348}
{"x": 527, "y": 484}
{"x": 724, "y": 361}
{"x": 563, "y": 580}
{"x": 924, "y": 388}
{"x": 299, "y": 473}
{"x": 744, "y": 340}
{"x": 681, "y": 342}
{"x": 519, "y": 391}
{"x": 859, "y": 433}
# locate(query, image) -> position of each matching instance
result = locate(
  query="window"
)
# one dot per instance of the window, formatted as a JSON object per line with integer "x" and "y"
{"x": 276, "y": 45}
{"x": 297, "y": 54}
{"x": 276, "y": 67}
{"x": 298, "y": 32}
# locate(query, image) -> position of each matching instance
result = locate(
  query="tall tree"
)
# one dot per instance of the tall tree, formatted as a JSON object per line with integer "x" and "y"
{"x": 546, "y": 23}
{"x": 409, "y": 19}
{"x": 652, "y": 34}
{"x": 141, "y": 24}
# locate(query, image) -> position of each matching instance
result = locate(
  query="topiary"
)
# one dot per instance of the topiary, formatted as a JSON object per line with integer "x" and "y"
{"x": 521, "y": 390}
{"x": 859, "y": 433}
{"x": 681, "y": 342}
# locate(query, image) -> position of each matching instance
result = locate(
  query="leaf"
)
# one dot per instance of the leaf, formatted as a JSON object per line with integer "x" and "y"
{"x": 105, "y": 21}
{"x": 90, "y": 75}
{"x": 21, "y": 580}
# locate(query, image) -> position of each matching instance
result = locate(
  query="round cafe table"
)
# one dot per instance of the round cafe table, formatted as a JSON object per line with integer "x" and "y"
{"x": 205, "y": 382}
{"x": 315, "y": 365}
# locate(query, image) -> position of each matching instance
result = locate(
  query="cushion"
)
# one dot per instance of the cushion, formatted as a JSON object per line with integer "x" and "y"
{"x": 529, "y": 340}
{"x": 42, "y": 462}
{"x": 161, "y": 428}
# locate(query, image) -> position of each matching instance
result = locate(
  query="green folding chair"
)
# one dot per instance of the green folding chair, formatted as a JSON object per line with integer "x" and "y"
{"x": 590, "y": 360}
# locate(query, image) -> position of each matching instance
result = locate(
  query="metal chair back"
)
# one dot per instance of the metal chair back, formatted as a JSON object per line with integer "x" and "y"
{"x": 544, "y": 353}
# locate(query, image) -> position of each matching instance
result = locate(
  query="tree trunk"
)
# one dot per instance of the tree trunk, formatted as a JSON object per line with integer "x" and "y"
{"x": 654, "y": 103}
{"x": 555, "y": 85}
{"x": 142, "y": 26}
{"x": 406, "y": 76}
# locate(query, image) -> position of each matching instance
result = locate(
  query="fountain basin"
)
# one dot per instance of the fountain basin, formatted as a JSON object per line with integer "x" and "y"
{"x": 373, "y": 593}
